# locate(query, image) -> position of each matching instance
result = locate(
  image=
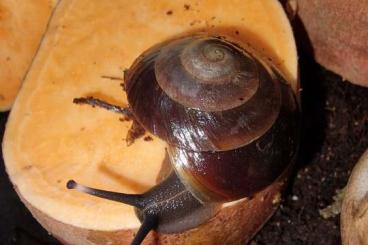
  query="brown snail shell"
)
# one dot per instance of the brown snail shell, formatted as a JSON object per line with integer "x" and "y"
{"x": 230, "y": 119}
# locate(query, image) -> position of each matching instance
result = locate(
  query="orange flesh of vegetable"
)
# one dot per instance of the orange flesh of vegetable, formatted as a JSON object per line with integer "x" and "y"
{"x": 50, "y": 140}
{"x": 22, "y": 24}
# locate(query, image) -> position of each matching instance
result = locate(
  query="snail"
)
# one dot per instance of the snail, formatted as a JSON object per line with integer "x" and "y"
{"x": 230, "y": 121}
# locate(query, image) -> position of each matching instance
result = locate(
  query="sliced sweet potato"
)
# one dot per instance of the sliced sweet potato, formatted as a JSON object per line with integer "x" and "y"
{"x": 22, "y": 24}
{"x": 50, "y": 140}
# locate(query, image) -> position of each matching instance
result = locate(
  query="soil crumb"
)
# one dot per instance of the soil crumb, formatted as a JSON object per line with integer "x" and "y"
{"x": 148, "y": 138}
{"x": 136, "y": 131}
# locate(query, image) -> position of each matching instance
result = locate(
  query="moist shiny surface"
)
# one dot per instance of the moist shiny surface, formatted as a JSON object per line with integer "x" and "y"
{"x": 207, "y": 74}
{"x": 220, "y": 155}
{"x": 175, "y": 207}
{"x": 233, "y": 174}
{"x": 195, "y": 129}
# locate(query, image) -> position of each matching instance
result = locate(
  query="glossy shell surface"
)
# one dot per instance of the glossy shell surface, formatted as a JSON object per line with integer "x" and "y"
{"x": 232, "y": 130}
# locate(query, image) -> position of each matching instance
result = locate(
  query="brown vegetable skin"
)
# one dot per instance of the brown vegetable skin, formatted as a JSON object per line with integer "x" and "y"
{"x": 49, "y": 140}
{"x": 337, "y": 31}
{"x": 22, "y": 24}
{"x": 354, "y": 215}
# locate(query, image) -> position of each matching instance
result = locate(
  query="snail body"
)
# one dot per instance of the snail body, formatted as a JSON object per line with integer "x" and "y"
{"x": 230, "y": 122}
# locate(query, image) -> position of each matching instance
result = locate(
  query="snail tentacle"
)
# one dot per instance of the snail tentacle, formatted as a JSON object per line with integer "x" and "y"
{"x": 169, "y": 202}
{"x": 149, "y": 223}
{"x": 150, "y": 220}
{"x": 135, "y": 200}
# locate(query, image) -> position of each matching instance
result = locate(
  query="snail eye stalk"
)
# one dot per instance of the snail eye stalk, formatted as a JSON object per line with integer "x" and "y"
{"x": 135, "y": 200}
{"x": 150, "y": 221}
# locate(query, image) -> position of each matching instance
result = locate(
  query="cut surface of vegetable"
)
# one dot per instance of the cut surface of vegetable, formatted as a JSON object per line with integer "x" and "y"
{"x": 50, "y": 140}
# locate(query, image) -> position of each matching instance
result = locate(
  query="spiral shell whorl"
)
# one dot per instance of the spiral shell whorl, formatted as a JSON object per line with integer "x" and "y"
{"x": 230, "y": 130}
{"x": 209, "y": 60}
{"x": 226, "y": 113}
{"x": 207, "y": 74}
